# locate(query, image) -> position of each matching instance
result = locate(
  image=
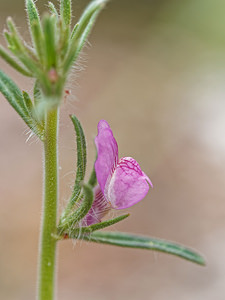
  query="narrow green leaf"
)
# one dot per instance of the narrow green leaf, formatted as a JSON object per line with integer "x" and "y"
{"x": 91, "y": 9}
{"x": 65, "y": 11}
{"x": 49, "y": 23}
{"x": 73, "y": 234}
{"x": 74, "y": 30}
{"x": 16, "y": 45}
{"x": 80, "y": 34}
{"x": 8, "y": 38}
{"x": 15, "y": 98}
{"x": 64, "y": 27}
{"x": 13, "y": 92}
{"x": 53, "y": 9}
{"x": 15, "y": 39}
{"x": 12, "y": 62}
{"x": 64, "y": 42}
{"x": 32, "y": 13}
{"x": 85, "y": 205}
{"x": 85, "y": 34}
{"x": 38, "y": 42}
{"x": 35, "y": 28}
{"x": 15, "y": 42}
{"x": 81, "y": 158}
{"x": 135, "y": 241}
{"x": 4, "y": 89}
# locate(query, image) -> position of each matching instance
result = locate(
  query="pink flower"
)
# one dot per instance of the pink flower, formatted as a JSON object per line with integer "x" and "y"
{"x": 121, "y": 182}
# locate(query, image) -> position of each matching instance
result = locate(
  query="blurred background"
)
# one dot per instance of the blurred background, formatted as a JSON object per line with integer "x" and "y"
{"x": 155, "y": 71}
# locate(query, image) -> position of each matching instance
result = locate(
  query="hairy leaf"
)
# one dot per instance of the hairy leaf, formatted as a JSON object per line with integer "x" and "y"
{"x": 65, "y": 11}
{"x": 16, "y": 99}
{"x": 50, "y": 44}
{"x": 13, "y": 63}
{"x": 135, "y": 241}
{"x": 16, "y": 45}
{"x": 80, "y": 33}
{"x": 53, "y": 9}
{"x": 35, "y": 28}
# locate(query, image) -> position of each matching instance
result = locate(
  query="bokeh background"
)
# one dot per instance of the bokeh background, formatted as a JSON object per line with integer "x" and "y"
{"x": 155, "y": 70}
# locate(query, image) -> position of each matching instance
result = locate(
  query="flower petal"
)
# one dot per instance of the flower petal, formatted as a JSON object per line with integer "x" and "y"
{"x": 128, "y": 184}
{"x": 107, "y": 153}
{"x": 99, "y": 209}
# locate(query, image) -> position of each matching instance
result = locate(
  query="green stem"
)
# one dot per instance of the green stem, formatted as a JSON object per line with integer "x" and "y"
{"x": 48, "y": 243}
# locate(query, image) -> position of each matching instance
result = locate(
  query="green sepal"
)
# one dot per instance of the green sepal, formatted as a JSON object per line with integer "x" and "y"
{"x": 84, "y": 26}
{"x": 134, "y": 241}
{"x": 81, "y": 167}
{"x": 79, "y": 232}
{"x": 68, "y": 222}
{"x": 65, "y": 11}
{"x": 81, "y": 158}
{"x": 93, "y": 179}
{"x": 13, "y": 63}
{"x": 35, "y": 28}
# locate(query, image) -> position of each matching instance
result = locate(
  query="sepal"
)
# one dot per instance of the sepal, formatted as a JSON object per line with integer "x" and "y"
{"x": 93, "y": 179}
{"x": 85, "y": 231}
{"x": 70, "y": 221}
{"x": 81, "y": 168}
{"x": 81, "y": 157}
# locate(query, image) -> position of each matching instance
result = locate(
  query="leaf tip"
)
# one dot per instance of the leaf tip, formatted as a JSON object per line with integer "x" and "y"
{"x": 202, "y": 261}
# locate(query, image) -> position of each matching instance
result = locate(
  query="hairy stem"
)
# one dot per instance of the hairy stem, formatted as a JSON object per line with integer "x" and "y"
{"x": 46, "y": 283}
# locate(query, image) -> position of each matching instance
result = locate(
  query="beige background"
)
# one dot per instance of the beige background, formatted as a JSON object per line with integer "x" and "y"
{"x": 155, "y": 71}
